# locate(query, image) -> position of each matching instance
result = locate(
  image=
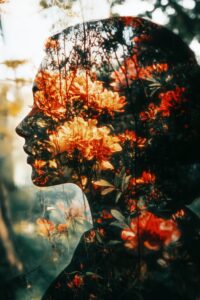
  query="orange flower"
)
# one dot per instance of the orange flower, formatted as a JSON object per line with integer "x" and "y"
{"x": 50, "y": 97}
{"x": 130, "y": 136}
{"x": 105, "y": 165}
{"x": 90, "y": 236}
{"x": 130, "y": 238}
{"x": 150, "y": 113}
{"x": 56, "y": 91}
{"x": 168, "y": 99}
{"x": 154, "y": 232}
{"x": 92, "y": 142}
{"x": 179, "y": 214}
{"x": 130, "y": 71}
{"x": 45, "y": 227}
{"x": 62, "y": 228}
{"x": 38, "y": 165}
{"x": 147, "y": 72}
{"x": 52, "y": 44}
{"x": 125, "y": 74}
{"x": 146, "y": 178}
{"x": 94, "y": 95}
{"x": 132, "y": 204}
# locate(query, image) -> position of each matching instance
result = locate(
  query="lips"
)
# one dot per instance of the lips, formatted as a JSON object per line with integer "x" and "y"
{"x": 37, "y": 149}
{"x": 27, "y": 149}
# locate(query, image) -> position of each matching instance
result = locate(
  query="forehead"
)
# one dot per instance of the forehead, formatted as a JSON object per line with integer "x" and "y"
{"x": 94, "y": 46}
{"x": 103, "y": 45}
{"x": 113, "y": 57}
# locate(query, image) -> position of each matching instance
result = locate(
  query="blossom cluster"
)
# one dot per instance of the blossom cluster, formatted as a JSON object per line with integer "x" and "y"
{"x": 92, "y": 142}
{"x": 152, "y": 231}
{"x": 168, "y": 100}
{"x": 56, "y": 94}
{"x": 130, "y": 70}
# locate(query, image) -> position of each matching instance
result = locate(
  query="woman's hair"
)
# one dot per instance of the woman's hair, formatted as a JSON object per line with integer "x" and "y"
{"x": 132, "y": 80}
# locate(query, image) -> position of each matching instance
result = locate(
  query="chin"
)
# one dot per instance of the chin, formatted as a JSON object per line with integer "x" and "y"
{"x": 49, "y": 178}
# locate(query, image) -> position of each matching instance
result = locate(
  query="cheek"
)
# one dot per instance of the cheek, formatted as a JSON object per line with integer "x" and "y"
{"x": 51, "y": 172}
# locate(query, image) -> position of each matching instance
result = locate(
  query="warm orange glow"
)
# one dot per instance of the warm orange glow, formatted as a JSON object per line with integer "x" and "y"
{"x": 45, "y": 227}
{"x": 152, "y": 231}
{"x": 38, "y": 165}
{"x": 130, "y": 136}
{"x": 92, "y": 142}
{"x": 62, "y": 228}
{"x": 179, "y": 214}
{"x": 146, "y": 178}
{"x": 52, "y": 44}
{"x": 57, "y": 92}
{"x": 130, "y": 71}
{"x": 77, "y": 282}
{"x": 90, "y": 236}
{"x": 169, "y": 100}
{"x": 50, "y": 96}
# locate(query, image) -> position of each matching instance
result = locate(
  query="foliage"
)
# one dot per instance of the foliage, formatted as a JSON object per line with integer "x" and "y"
{"x": 67, "y": 5}
{"x": 183, "y": 19}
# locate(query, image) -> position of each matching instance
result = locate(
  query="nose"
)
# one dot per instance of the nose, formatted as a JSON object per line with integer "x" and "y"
{"x": 22, "y": 129}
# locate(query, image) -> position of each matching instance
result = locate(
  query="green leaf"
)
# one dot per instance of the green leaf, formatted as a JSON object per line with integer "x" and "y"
{"x": 93, "y": 274}
{"x": 119, "y": 224}
{"x": 107, "y": 191}
{"x": 103, "y": 183}
{"x": 99, "y": 239}
{"x": 117, "y": 215}
{"x": 118, "y": 197}
{"x": 195, "y": 207}
{"x": 125, "y": 182}
{"x": 114, "y": 242}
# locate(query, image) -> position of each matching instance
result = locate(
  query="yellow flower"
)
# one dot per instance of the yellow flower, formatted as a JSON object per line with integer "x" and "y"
{"x": 50, "y": 96}
{"x": 92, "y": 142}
{"x": 45, "y": 227}
{"x": 56, "y": 93}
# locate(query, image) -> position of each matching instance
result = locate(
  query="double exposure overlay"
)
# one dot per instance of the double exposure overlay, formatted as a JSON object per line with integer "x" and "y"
{"x": 115, "y": 111}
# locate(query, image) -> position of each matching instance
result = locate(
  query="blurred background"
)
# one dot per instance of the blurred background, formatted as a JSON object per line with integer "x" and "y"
{"x": 29, "y": 260}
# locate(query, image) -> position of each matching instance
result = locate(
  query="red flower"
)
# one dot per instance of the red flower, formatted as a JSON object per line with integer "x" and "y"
{"x": 146, "y": 178}
{"x": 90, "y": 236}
{"x": 77, "y": 282}
{"x": 131, "y": 70}
{"x": 150, "y": 113}
{"x": 152, "y": 231}
{"x": 130, "y": 136}
{"x": 170, "y": 99}
{"x": 106, "y": 215}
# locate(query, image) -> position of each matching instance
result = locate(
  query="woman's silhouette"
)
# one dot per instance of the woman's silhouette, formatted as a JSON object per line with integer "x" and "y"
{"x": 116, "y": 111}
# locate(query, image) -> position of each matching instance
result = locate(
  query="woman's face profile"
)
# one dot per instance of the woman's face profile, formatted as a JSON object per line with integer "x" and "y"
{"x": 61, "y": 139}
